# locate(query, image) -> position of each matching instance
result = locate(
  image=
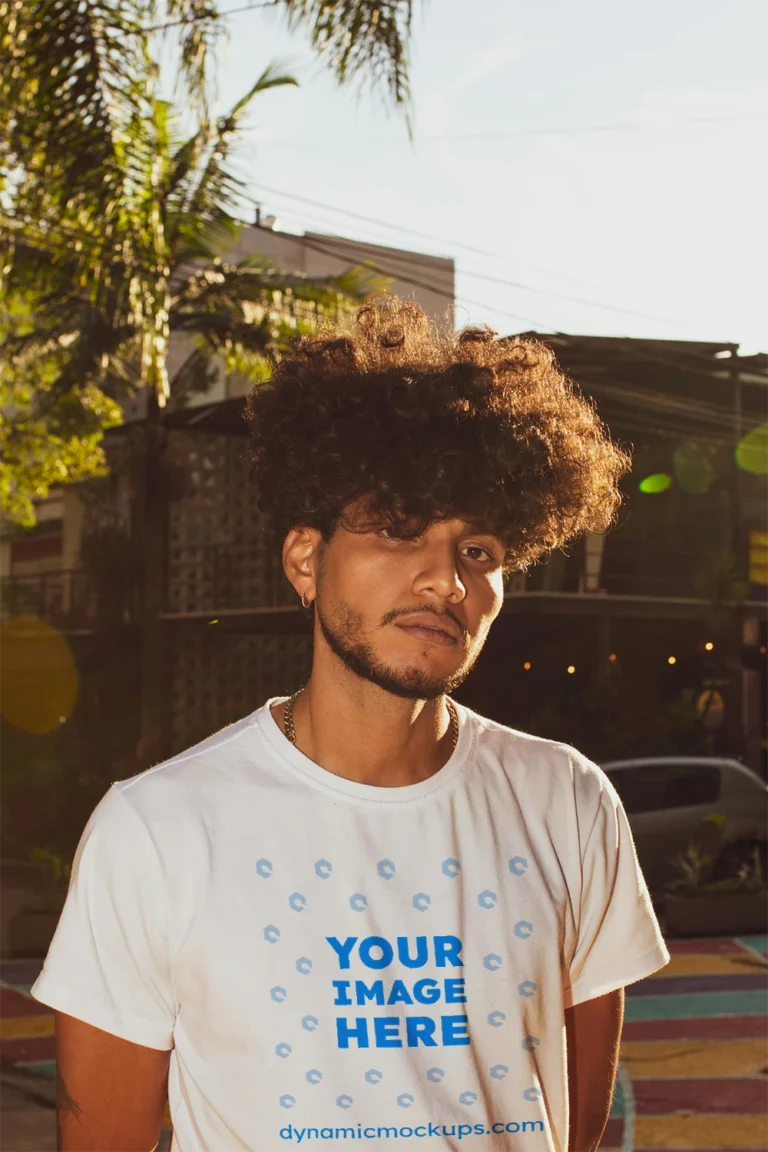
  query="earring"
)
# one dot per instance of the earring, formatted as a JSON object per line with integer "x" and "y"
{"x": 303, "y": 604}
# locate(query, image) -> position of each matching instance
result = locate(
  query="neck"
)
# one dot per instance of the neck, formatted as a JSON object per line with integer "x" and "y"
{"x": 354, "y": 729}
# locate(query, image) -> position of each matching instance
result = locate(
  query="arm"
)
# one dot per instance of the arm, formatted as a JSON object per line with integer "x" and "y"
{"x": 593, "y": 1032}
{"x": 110, "y": 1093}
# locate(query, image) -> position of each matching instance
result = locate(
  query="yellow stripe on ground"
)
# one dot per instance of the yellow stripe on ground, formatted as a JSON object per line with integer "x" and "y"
{"x": 700, "y": 964}
{"x": 742, "y": 1057}
{"x": 25, "y": 1027}
{"x": 701, "y": 1131}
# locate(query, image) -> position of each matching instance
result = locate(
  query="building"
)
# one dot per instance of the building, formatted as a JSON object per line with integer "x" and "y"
{"x": 614, "y": 631}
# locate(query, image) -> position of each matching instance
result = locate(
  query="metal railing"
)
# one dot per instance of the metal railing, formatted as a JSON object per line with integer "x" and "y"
{"x": 65, "y": 598}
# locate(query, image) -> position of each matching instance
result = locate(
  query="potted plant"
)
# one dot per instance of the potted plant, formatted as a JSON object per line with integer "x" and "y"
{"x": 696, "y": 905}
{"x": 31, "y": 929}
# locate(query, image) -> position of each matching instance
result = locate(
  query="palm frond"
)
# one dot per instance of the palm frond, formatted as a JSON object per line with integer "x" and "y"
{"x": 200, "y": 33}
{"x": 359, "y": 38}
{"x": 73, "y": 75}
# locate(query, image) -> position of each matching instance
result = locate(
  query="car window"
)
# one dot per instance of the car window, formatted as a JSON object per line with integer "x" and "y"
{"x": 655, "y": 787}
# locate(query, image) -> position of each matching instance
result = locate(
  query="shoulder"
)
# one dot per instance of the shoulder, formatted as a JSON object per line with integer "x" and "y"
{"x": 539, "y": 763}
{"x": 194, "y": 780}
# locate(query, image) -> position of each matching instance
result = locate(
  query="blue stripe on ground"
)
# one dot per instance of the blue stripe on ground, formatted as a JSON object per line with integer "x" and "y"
{"x": 749, "y": 1003}
{"x": 20, "y": 972}
{"x": 759, "y": 943}
{"x": 681, "y": 985}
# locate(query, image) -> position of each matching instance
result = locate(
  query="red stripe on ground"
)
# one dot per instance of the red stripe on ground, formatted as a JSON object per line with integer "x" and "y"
{"x": 706, "y": 1028}
{"x": 13, "y": 1003}
{"x": 714, "y": 946}
{"x": 662, "y": 1097}
{"x": 35, "y": 1048}
{"x": 614, "y": 1130}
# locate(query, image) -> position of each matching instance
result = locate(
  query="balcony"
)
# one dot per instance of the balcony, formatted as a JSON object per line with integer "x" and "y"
{"x": 66, "y": 599}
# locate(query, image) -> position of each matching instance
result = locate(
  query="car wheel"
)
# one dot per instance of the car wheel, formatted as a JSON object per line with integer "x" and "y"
{"x": 739, "y": 855}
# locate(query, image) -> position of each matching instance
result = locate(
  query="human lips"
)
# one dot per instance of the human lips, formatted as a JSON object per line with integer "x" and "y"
{"x": 425, "y": 626}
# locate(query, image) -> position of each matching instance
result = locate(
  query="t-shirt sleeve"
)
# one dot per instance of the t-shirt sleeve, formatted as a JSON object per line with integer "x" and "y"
{"x": 108, "y": 963}
{"x": 619, "y": 939}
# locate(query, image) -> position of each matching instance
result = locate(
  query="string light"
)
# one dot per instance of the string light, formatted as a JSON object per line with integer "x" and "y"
{"x": 709, "y": 645}
{"x": 672, "y": 660}
{"x": 612, "y": 657}
{"x": 571, "y": 669}
{"x": 527, "y": 666}
{"x": 762, "y": 650}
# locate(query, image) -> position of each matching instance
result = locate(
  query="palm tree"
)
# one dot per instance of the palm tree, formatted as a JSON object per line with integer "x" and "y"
{"x": 116, "y": 227}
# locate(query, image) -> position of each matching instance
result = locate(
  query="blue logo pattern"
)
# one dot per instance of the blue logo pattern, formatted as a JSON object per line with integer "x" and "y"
{"x": 386, "y": 869}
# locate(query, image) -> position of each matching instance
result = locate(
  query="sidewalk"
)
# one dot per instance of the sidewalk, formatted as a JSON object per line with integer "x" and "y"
{"x": 694, "y": 1055}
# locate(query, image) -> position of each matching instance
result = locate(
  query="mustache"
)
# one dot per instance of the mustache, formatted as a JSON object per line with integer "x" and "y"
{"x": 397, "y": 612}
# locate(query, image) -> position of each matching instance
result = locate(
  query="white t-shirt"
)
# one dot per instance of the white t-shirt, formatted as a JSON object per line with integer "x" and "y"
{"x": 335, "y": 964}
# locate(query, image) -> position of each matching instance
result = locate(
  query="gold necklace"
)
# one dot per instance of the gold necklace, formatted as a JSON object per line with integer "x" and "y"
{"x": 290, "y": 731}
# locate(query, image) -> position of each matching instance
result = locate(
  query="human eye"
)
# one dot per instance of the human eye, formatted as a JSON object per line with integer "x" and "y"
{"x": 481, "y": 553}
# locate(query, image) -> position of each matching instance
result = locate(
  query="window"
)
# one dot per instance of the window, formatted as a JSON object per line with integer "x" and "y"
{"x": 656, "y": 787}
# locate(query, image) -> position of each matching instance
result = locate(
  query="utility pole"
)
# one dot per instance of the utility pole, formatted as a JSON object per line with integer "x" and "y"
{"x": 749, "y": 625}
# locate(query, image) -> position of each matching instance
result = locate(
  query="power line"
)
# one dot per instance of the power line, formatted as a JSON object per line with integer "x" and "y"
{"x": 627, "y": 125}
{"x": 476, "y": 251}
{"x": 405, "y": 279}
{"x": 206, "y": 16}
{"x": 626, "y": 394}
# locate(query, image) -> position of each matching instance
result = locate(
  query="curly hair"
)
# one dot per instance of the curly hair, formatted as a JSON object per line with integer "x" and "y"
{"x": 417, "y": 424}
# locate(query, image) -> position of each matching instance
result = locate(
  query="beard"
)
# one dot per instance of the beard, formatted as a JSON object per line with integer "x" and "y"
{"x": 342, "y": 630}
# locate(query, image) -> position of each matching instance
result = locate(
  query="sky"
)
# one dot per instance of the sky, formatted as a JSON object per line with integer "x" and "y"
{"x": 606, "y": 157}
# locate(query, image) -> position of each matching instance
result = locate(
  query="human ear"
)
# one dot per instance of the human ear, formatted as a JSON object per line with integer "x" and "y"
{"x": 301, "y": 556}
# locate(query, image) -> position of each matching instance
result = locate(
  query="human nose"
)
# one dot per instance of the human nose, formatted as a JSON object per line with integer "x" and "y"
{"x": 440, "y": 576}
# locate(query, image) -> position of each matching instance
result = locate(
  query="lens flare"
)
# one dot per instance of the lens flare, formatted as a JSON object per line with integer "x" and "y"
{"x": 752, "y": 451}
{"x": 38, "y": 677}
{"x": 652, "y": 485}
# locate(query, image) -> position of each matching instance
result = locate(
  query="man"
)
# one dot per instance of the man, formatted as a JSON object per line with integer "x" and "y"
{"x": 364, "y": 914}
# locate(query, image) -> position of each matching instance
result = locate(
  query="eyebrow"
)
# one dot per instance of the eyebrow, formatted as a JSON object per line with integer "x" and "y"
{"x": 482, "y": 529}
